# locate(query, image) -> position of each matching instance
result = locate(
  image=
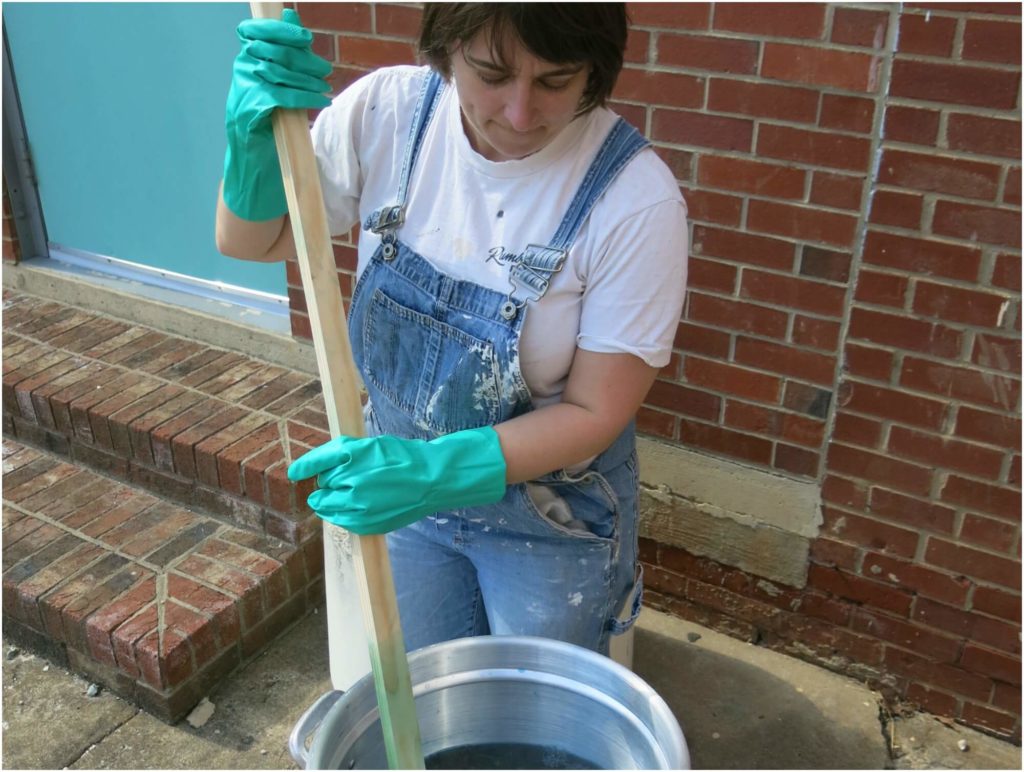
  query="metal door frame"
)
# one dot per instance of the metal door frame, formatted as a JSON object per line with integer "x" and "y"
{"x": 19, "y": 173}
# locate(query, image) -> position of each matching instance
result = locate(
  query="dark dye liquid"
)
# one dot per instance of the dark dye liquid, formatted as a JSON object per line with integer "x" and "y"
{"x": 506, "y": 756}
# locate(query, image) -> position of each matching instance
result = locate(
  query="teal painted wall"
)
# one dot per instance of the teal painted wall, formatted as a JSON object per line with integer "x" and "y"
{"x": 124, "y": 110}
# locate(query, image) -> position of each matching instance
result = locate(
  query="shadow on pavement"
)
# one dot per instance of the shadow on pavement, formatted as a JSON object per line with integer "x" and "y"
{"x": 735, "y": 715}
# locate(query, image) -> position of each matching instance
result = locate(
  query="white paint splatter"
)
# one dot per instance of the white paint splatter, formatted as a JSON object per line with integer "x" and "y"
{"x": 485, "y": 393}
{"x": 485, "y": 384}
{"x": 431, "y": 407}
{"x": 509, "y": 383}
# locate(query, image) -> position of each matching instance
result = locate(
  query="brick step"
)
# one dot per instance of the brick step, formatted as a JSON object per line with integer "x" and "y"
{"x": 199, "y": 425}
{"x": 155, "y": 601}
{"x": 151, "y": 538}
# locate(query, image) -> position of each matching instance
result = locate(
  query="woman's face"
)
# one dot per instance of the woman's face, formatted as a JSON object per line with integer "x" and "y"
{"x": 512, "y": 110}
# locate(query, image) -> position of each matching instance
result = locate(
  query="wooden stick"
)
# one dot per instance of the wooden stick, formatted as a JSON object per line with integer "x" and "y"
{"x": 340, "y": 382}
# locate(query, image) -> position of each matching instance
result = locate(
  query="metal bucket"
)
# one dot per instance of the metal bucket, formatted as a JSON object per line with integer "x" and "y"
{"x": 527, "y": 702}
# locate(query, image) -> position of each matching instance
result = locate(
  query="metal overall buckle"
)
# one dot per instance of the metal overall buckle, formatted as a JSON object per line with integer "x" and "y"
{"x": 384, "y": 222}
{"x": 530, "y": 276}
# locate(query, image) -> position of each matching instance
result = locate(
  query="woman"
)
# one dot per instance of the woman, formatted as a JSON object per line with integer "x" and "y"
{"x": 522, "y": 264}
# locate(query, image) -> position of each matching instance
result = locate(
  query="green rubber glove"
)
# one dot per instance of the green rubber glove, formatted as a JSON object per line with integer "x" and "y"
{"x": 275, "y": 68}
{"x": 379, "y": 484}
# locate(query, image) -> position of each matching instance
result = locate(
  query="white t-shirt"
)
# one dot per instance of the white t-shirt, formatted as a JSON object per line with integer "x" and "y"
{"x": 621, "y": 288}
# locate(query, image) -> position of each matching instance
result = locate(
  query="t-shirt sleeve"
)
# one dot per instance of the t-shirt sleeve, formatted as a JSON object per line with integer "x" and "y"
{"x": 336, "y": 138}
{"x": 636, "y": 285}
{"x": 354, "y": 139}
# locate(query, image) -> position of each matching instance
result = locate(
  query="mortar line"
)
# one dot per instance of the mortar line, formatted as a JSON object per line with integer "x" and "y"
{"x": 161, "y": 610}
{"x": 888, "y": 57}
{"x": 282, "y": 434}
{"x": 161, "y": 575}
{"x": 156, "y": 569}
{"x": 96, "y": 542}
{"x": 222, "y": 526}
{"x": 280, "y": 420}
{"x": 164, "y": 380}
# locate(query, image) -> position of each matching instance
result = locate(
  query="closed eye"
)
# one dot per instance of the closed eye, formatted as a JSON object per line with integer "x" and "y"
{"x": 547, "y": 85}
{"x": 491, "y": 80}
{"x": 555, "y": 85}
{"x": 491, "y": 74}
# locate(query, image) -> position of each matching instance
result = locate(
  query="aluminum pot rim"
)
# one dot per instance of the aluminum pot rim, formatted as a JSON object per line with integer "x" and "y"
{"x": 670, "y": 734}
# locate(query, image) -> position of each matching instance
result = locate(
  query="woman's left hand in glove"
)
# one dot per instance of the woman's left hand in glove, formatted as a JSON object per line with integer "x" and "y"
{"x": 373, "y": 485}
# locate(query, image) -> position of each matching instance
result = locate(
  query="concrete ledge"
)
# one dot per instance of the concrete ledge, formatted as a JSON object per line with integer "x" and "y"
{"x": 216, "y": 323}
{"x": 734, "y": 514}
{"x": 761, "y": 550}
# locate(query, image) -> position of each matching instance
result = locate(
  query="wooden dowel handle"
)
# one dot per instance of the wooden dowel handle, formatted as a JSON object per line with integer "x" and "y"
{"x": 339, "y": 379}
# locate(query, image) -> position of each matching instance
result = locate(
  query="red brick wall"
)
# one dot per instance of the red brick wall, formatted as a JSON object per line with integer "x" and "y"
{"x": 922, "y": 475}
{"x": 853, "y": 178}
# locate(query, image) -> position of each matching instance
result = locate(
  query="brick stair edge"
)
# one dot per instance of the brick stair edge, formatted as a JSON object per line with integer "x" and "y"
{"x": 265, "y": 501}
{"x": 159, "y": 639}
{"x": 287, "y": 522}
{"x": 174, "y": 703}
{"x": 158, "y": 666}
{"x": 169, "y": 485}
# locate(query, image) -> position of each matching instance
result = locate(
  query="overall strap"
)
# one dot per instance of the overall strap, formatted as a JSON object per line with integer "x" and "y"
{"x": 389, "y": 218}
{"x": 531, "y": 274}
{"x": 620, "y": 146}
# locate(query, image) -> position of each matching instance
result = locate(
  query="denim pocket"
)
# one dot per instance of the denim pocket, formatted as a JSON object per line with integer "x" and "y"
{"x": 443, "y": 378}
{"x": 582, "y": 506}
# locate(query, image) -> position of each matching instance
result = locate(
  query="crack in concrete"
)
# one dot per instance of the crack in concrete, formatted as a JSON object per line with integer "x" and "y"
{"x": 888, "y": 730}
{"x": 96, "y": 743}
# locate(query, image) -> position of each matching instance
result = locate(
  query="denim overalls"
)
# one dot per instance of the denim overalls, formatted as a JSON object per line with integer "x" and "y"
{"x": 555, "y": 557}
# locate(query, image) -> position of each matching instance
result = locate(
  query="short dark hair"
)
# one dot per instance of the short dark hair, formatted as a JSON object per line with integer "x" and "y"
{"x": 561, "y": 33}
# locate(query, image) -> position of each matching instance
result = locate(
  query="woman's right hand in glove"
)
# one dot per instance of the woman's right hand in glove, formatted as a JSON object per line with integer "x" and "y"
{"x": 275, "y": 68}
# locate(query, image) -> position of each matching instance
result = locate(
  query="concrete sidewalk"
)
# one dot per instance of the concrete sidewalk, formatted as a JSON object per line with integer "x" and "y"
{"x": 740, "y": 706}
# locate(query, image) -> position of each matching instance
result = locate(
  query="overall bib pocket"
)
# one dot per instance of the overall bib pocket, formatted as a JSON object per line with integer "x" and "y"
{"x": 444, "y": 379}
